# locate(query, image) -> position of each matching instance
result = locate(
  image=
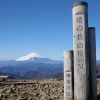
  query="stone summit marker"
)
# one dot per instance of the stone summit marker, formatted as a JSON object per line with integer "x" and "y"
{"x": 83, "y": 82}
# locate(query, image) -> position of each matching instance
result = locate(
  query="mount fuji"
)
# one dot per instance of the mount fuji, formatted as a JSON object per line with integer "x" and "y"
{"x": 28, "y": 57}
{"x": 35, "y": 57}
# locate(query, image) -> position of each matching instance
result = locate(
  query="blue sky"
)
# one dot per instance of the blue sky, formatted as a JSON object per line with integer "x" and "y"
{"x": 41, "y": 26}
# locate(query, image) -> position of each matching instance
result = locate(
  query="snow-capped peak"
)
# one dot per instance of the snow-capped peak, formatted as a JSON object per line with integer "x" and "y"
{"x": 28, "y": 57}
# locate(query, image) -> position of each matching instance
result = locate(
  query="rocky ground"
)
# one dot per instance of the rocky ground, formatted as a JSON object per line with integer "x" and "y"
{"x": 98, "y": 88}
{"x": 34, "y": 90}
{"x": 39, "y": 90}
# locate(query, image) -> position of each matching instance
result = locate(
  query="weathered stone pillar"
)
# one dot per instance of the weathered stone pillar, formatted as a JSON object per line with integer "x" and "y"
{"x": 68, "y": 75}
{"x": 92, "y": 63}
{"x": 81, "y": 57}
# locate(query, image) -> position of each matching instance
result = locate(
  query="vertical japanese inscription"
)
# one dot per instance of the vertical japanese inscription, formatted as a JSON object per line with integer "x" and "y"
{"x": 68, "y": 84}
{"x": 80, "y": 38}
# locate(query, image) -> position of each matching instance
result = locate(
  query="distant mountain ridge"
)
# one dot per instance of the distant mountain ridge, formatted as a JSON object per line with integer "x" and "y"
{"x": 34, "y": 68}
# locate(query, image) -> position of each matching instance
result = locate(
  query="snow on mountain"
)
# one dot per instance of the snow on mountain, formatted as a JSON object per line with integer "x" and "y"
{"x": 30, "y": 56}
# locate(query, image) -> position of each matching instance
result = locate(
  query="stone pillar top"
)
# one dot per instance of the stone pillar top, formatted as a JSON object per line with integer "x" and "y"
{"x": 81, "y": 3}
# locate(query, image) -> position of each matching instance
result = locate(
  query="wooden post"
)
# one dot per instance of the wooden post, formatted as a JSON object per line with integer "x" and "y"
{"x": 81, "y": 57}
{"x": 92, "y": 63}
{"x": 68, "y": 75}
